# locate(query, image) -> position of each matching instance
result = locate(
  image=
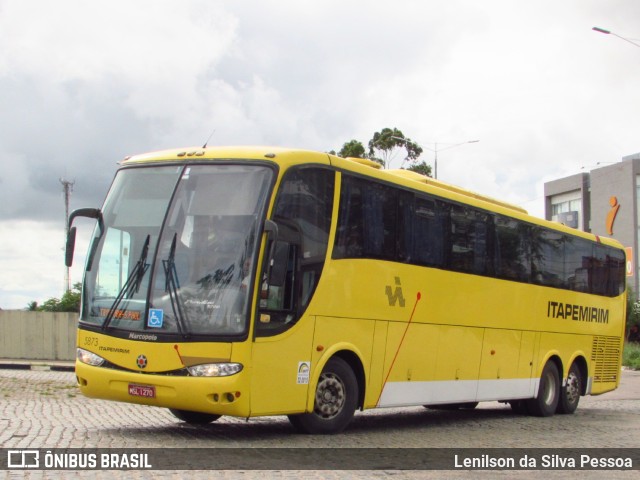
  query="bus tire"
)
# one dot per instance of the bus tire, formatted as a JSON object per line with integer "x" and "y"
{"x": 546, "y": 402}
{"x": 194, "y": 418}
{"x": 335, "y": 402}
{"x": 570, "y": 393}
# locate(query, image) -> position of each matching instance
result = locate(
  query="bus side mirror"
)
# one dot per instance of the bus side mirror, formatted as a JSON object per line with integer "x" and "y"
{"x": 70, "y": 247}
{"x": 71, "y": 235}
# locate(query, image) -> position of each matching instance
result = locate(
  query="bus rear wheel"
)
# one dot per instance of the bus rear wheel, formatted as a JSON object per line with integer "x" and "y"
{"x": 194, "y": 418}
{"x": 570, "y": 393}
{"x": 335, "y": 403}
{"x": 546, "y": 402}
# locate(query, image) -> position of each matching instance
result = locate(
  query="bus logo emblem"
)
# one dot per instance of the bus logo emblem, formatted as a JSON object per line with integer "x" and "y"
{"x": 141, "y": 361}
{"x": 395, "y": 295}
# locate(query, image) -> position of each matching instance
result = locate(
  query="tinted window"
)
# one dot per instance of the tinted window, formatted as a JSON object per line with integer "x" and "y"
{"x": 578, "y": 254}
{"x": 512, "y": 260}
{"x": 306, "y": 199}
{"x": 380, "y": 221}
{"x": 430, "y": 220}
{"x": 548, "y": 257}
{"x": 302, "y": 212}
{"x": 469, "y": 240}
{"x": 574, "y": 263}
{"x": 374, "y": 221}
{"x": 607, "y": 271}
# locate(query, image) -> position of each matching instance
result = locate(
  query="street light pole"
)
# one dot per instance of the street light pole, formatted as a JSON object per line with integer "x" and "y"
{"x": 435, "y": 150}
{"x": 609, "y": 32}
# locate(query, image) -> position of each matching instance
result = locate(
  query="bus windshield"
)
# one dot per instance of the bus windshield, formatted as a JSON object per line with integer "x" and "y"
{"x": 177, "y": 251}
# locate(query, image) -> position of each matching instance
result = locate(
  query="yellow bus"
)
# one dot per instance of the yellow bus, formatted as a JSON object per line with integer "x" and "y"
{"x": 264, "y": 281}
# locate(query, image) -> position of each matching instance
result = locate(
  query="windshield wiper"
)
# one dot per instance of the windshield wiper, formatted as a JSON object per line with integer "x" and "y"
{"x": 172, "y": 284}
{"x": 132, "y": 285}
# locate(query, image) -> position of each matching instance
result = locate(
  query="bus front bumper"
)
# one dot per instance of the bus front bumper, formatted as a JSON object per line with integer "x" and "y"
{"x": 215, "y": 395}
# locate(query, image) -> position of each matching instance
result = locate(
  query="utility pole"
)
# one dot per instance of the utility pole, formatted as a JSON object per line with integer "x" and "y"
{"x": 67, "y": 188}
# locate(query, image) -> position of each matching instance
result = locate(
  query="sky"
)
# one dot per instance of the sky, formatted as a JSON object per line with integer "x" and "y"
{"x": 85, "y": 84}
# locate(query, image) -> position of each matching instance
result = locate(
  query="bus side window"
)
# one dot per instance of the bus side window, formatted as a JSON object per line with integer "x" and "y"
{"x": 114, "y": 263}
{"x": 428, "y": 233}
{"x": 512, "y": 249}
{"x": 302, "y": 211}
{"x": 279, "y": 287}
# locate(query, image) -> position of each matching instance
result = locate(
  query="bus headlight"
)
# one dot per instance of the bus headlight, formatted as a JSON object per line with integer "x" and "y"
{"x": 215, "y": 369}
{"x": 89, "y": 358}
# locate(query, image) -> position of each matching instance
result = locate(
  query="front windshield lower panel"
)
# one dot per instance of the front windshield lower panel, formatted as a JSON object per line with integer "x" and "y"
{"x": 178, "y": 250}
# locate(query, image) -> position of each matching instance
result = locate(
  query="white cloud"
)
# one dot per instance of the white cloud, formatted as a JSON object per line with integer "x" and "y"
{"x": 155, "y": 40}
{"x": 83, "y": 84}
{"x": 32, "y": 260}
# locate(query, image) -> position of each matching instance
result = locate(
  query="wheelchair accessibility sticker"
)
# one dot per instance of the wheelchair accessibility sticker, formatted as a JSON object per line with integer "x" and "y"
{"x": 156, "y": 318}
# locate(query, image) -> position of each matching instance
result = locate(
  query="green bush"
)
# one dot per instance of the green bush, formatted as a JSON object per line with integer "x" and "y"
{"x": 631, "y": 355}
{"x": 69, "y": 302}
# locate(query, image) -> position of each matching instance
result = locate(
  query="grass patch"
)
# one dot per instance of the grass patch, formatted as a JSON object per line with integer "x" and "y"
{"x": 631, "y": 355}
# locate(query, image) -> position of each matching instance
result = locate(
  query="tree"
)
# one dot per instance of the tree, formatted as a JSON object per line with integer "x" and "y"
{"x": 352, "y": 148}
{"x": 633, "y": 309}
{"x": 384, "y": 144}
{"x": 383, "y": 147}
{"x": 70, "y": 302}
{"x": 422, "y": 168}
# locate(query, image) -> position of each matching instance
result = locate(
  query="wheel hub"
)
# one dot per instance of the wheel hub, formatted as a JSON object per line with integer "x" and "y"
{"x": 330, "y": 396}
{"x": 573, "y": 388}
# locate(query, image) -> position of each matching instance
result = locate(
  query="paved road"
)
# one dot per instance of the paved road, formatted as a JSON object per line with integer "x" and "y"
{"x": 43, "y": 409}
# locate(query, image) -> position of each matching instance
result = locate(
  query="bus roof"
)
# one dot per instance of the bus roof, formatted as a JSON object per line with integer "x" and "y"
{"x": 447, "y": 186}
{"x": 231, "y": 152}
{"x": 407, "y": 178}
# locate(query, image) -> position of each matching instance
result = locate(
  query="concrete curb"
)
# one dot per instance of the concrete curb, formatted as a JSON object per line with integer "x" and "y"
{"x": 42, "y": 365}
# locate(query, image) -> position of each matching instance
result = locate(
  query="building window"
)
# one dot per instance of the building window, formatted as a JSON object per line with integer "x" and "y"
{"x": 567, "y": 209}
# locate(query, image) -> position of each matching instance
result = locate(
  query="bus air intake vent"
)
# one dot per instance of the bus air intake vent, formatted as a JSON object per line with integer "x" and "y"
{"x": 605, "y": 355}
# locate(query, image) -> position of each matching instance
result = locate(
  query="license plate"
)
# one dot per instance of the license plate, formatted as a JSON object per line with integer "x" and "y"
{"x": 142, "y": 391}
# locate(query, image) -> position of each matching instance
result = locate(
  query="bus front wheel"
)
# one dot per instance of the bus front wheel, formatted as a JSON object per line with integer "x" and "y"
{"x": 194, "y": 418}
{"x": 335, "y": 403}
{"x": 546, "y": 402}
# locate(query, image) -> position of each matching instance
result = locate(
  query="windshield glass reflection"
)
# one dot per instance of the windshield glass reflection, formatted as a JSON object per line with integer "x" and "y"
{"x": 197, "y": 280}
{"x": 207, "y": 251}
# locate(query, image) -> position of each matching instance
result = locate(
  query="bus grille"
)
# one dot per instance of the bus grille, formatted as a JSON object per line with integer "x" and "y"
{"x": 605, "y": 355}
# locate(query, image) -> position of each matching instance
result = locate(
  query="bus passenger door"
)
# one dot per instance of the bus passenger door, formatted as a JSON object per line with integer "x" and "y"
{"x": 281, "y": 356}
{"x": 280, "y": 369}
{"x": 283, "y": 330}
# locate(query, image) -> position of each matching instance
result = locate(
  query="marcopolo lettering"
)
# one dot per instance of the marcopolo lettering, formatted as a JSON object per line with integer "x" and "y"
{"x": 578, "y": 313}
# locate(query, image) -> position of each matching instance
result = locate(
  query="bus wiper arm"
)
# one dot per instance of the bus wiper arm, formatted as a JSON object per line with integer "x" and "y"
{"x": 171, "y": 287}
{"x": 132, "y": 285}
